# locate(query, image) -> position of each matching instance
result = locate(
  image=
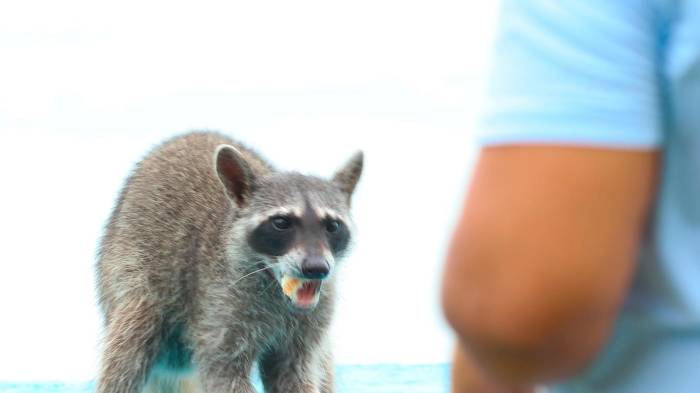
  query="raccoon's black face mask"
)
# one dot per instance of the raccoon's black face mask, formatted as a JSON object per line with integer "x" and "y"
{"x": 279, "y": 234}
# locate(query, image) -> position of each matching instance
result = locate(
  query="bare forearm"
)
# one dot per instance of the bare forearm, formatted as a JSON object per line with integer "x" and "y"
{"x": 467, "y": 377}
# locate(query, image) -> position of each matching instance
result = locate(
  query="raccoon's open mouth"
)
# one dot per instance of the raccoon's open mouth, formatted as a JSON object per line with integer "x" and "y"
{"x": 303, "y": 293}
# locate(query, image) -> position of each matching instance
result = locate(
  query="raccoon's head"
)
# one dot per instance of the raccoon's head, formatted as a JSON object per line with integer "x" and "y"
{"x": 294, "y": 227}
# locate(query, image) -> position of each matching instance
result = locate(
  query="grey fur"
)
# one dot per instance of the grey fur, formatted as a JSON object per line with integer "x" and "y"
{"x": 183, "y": 310}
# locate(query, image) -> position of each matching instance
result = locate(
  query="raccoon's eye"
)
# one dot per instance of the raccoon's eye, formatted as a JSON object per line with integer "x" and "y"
{"x": 281, "y": 223}
{"x": 332, "y": 226}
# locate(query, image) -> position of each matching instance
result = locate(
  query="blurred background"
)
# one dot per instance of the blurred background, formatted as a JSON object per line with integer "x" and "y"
{"x": 88, "y": 87}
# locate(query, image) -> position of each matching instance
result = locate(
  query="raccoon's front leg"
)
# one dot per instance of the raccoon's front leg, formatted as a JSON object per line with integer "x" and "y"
{"x": 225, "y": 367}
{"x": 132, "y": 342}
{"x": 226, "y": 376}
{"x": 297, "y": 370}
{"x": 327, "y": 371}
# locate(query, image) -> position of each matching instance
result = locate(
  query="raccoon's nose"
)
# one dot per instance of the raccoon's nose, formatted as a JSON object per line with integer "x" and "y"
{"x": 315, "y": 268}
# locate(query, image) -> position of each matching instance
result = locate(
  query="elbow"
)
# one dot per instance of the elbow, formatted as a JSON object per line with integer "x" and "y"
{"x": 531, "y": 331}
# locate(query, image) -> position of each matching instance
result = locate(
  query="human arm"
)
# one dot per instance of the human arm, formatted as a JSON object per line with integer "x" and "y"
{"x": 543, "y": 254}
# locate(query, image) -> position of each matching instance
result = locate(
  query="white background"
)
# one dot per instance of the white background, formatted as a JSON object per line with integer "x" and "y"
{"x": 87, "y": 87}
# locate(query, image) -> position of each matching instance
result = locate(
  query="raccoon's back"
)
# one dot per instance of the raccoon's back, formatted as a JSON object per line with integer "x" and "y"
{"x": 168, "y": 216}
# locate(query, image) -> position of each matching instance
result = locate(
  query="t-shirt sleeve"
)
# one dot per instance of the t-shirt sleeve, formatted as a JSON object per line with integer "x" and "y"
{"x": 580, "y": 72}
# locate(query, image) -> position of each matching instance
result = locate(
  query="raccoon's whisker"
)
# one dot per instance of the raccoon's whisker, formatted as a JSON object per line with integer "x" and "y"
{"x": 251, "y": 273}
{"x": 267, "y": 288}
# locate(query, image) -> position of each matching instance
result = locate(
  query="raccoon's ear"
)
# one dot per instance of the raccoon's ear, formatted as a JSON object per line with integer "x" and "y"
{"x": 234, "y": 172}
{"x": 346, "y": 178}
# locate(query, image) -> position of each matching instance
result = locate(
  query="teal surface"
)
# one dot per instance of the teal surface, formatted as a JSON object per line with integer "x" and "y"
{"x": 385, "y": 378}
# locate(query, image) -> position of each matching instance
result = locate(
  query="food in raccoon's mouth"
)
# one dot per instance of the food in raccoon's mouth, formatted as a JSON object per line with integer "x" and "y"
{"x": 290, "y": 285}
{"x": 303, "y": 292}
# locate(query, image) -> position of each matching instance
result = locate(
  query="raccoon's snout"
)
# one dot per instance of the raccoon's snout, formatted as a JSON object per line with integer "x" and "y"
{"x": 315, "y": 267}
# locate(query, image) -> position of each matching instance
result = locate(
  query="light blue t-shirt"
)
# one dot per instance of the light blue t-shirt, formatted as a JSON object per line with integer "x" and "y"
{"x": 618, "y": 74}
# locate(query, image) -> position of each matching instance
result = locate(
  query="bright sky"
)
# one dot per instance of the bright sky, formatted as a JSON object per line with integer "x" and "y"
{"x": 86, "y": 88}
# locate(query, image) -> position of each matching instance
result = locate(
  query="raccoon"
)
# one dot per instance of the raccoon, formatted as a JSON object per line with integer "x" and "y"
{"x": 213, "y": 262}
